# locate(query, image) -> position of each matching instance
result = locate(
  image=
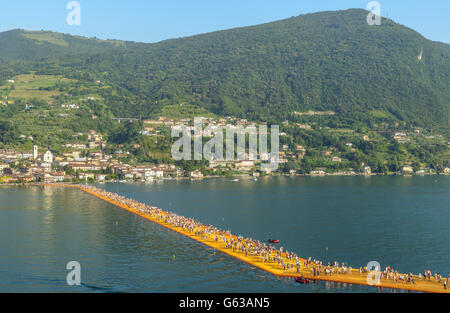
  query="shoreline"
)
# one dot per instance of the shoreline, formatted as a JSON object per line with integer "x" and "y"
{"x": 229, "y": 177}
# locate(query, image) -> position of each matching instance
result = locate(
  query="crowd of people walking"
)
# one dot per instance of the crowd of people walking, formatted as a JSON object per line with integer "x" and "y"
{"x": 265, "y": 253}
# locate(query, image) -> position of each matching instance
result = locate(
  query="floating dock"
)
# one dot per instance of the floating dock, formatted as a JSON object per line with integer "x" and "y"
{"x": 307, "y": 271}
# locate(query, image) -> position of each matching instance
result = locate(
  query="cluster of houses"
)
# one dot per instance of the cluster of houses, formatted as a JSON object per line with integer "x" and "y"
{"x": 70, "y": 106}
{"x": 405, "y": 137}
{"x": 94, "y": 141}
{"x": 286, "y": 153}
{"x": 84, "y": 162}
{"x": 401, "y": 137}
{"x": 87, "y": 161}
{"x": 36, "y": 166}
{"x": 220, "y": 122}
{"x": 151, "y": 125}
{"x": 148, "y": 172}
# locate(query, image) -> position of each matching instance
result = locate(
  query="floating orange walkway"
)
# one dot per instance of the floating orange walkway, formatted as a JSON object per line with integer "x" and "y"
{"x": 350, "y": 277}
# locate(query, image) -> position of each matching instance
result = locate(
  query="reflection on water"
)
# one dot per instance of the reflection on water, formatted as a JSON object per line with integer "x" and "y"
{"x": 397, "y": 221}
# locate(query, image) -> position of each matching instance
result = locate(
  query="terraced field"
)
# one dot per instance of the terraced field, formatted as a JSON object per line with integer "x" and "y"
{"x": 30, "y": 86}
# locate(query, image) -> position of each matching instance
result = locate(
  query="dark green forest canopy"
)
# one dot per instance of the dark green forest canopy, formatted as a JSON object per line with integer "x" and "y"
{"x": 323, "y": 61}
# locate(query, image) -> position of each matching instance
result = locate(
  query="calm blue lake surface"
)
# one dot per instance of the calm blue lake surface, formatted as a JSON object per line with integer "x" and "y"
{"x": 398, "y": 221}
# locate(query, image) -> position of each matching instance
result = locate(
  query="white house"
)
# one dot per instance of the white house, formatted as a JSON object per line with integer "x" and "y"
{"x": 101, "y": 177}
{"x": 406, "y": 170}
{"x": 366, "y": 170}
{"x": 196, "y": 174}
{"x": 48, "y": 157}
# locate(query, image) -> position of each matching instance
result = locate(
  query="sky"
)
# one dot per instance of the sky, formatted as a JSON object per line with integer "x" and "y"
{"x": 156, "y": 20}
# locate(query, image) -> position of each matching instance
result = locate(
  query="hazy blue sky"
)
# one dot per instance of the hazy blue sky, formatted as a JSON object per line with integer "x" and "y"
{"x": 155, "y": 20}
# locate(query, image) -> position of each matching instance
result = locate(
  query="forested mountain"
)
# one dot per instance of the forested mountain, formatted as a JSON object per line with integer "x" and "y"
{"x": 323, "y": 61}
{"x": 19, "y": 44}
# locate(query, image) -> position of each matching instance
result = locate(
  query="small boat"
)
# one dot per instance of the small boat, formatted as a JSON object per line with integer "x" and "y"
{"x": 302, "y": 280}
{"x": 273, "y": 240}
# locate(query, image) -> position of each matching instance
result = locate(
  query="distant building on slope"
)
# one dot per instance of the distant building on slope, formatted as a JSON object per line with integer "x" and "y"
{"x": 48, "y": 157}
{"x": 35, "y": 152}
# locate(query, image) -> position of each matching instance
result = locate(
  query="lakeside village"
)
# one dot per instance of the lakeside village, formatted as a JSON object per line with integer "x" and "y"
{"x": 88, "y": 162}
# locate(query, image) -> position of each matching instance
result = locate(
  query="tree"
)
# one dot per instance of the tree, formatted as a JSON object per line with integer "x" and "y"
{"x": 8, "y": 132}
{"x": 126, "y": 133}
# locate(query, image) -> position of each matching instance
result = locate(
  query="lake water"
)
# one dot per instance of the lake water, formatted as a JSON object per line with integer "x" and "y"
{"x": 398, "y": 221}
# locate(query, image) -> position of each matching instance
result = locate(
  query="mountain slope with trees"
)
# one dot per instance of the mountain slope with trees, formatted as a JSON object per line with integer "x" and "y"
{"x": 327, "y": 61}
{"x": 23, "y": 45}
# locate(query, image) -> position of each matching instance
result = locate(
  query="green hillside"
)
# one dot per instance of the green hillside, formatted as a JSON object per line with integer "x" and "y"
{"x": 329, "y": 61}
{"x": 26, "y": 45}
{"x": 323, "y": 61}
{"x": 342, "y": 89}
